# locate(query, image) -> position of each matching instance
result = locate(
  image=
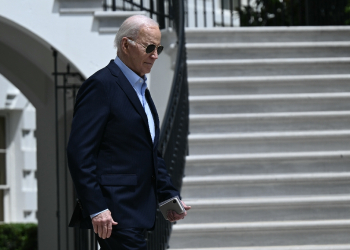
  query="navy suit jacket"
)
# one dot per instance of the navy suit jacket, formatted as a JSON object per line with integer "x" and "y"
{"x": 112, "y": 160}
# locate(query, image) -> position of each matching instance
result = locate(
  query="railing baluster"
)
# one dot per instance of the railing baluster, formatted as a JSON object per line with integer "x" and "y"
{"x": 160, "y": 18}
{"x": 195, "y": 14}
{"x": 114, "y": 5}
{"x": 152, "y": 9}
{"x": 213, "y": 1}
{"x": 205, "y": 13}
{"x": 222, "y": 13}
{"x": 186, "y": 13}
{"x": 231, "y": 10}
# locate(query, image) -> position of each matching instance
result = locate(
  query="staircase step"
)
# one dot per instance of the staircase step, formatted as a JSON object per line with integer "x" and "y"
{"x": 231, "y": 50}
{"x": 235, "y": 143}
{"x": 269, "y": 103}
{"x": 263, "y": 185}
{"x": 268, "y": 84}
{"x": 267, "y": 163}
{"x": 300, "y": 247}
{"x": 263, "y": 122}
{"x": 267, "y": 34}
{"x": 268, "y": 209}
{"x": 268, "y": 67}
{"x": 260, "y": 234}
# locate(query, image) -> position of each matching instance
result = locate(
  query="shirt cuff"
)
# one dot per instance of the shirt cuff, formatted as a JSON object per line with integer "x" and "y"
{"x": 93, "y": 215}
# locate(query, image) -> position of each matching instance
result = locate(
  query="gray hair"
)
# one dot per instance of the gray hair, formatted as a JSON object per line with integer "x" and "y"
{"x": 131, "y": 27}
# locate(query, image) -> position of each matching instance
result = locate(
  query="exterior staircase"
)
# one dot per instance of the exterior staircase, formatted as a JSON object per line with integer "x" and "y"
{"x": 269, "y": 163}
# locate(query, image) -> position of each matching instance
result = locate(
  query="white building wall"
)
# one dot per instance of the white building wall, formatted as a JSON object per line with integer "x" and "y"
{"x": 21, "y": 196}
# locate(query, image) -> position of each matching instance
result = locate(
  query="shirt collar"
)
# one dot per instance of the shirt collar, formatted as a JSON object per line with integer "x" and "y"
{"x": 137, "y": 82}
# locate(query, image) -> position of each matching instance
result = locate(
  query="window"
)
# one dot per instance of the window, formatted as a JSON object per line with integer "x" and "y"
{"x": 2, "y": 165}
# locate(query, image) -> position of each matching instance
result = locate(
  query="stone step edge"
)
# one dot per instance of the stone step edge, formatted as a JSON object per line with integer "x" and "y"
{"x": 191, "y": 159}
{"x": 79, "y": 10}
{"x": 268, "y": 97}
{"x": 306, "y": 29}
{"x": 300, "y": 247}
{"x": 286, "y": 201}
{"x": 265, "y": 178}
{"x": 267, "y": 79}
{"x": 117, "y": 14}
{"x": 197, "y": 138}
{"x": 267, "y": 45}
{"x": 258, "y": 226}
{"x": 285, "y": 115}
{"x": 269, "y": 61}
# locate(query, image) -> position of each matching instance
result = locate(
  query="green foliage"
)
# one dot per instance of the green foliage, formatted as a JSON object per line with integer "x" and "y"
{"x": 18, "y": 236}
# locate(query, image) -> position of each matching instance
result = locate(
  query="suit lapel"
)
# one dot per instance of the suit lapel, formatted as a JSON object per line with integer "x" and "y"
{"x": 155, "y": 116}
{"x": 129, "y": 91}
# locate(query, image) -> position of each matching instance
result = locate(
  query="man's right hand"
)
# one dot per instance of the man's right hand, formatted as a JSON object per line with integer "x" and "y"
{"x": 103, "y": 223}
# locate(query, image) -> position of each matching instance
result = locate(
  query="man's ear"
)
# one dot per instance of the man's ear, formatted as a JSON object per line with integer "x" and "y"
{"x": 125, "y": 44}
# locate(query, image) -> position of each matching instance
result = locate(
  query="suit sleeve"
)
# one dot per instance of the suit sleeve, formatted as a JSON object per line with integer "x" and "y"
{"x": 91, "y": 113}
{"x": 165, "y": 188}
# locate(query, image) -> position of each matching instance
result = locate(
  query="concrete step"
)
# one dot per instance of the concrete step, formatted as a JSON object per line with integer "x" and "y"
{"x": 261, "y": 234}
{"x": 200, "y": 187}
{"x": 300, "y": 247}
{"x": 269, "y": 142}
{"x": 264, "y": 122}
{"x": 269, "y": 103}
{"x": 200, "y": 51}
{"x": 267, "y": 34}
{"x": 269, "y": 84}
{"x": 267, "y": 163}
{"x": 268, "y": 67}
{"x": 216, "y": 210}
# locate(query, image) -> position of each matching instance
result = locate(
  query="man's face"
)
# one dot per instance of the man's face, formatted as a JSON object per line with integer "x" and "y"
{"x": 139, "y": 61}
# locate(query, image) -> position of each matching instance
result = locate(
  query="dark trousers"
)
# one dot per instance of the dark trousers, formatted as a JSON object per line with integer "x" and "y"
{"x": 124, "y": 239}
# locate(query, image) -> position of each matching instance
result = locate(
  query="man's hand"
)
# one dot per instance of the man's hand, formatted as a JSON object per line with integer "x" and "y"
{"x": 173, "y": 216}
{"x": 103, "y": 223}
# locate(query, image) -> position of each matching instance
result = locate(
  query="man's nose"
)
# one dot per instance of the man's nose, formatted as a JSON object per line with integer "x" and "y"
{"x": 154, "y": 54}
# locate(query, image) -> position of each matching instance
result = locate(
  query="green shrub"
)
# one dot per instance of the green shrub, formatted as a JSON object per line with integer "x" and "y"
{"x": 18, "y": 236}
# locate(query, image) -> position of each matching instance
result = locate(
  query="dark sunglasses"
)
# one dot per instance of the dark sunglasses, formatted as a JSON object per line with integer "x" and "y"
{"x": 151, "y": 47}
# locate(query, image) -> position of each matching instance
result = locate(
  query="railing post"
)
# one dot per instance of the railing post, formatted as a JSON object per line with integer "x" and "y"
{"x": 213, "y": 2}
{"x": 222, "y": 13}
{"x": 161, "y": 18}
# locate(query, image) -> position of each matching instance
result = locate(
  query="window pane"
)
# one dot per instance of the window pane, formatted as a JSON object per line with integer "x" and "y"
{"x": 2, "y": 133}
{"x": 2, "y": 169}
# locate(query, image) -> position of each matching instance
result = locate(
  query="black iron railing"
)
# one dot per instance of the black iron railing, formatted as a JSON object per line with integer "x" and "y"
{"x": 229, "y": 13}
{"x": 211, "y": 13}
{"x": 295, "y": 13}
{"x": 162, "y": 9}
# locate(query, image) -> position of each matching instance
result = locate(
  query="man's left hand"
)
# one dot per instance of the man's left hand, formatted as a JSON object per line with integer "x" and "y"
{"x": 173, "y": 216}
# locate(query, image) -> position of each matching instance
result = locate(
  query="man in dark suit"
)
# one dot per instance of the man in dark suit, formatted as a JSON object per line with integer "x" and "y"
{"x": 112, "y": 152}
